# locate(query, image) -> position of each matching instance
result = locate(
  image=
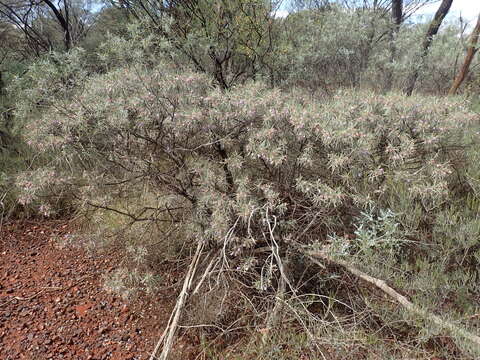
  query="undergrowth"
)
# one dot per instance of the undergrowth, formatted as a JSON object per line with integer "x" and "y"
{"x": 233, "y": 189}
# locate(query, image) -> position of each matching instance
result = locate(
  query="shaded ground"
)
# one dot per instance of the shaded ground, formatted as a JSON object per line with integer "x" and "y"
{"x": 53, "y": 306}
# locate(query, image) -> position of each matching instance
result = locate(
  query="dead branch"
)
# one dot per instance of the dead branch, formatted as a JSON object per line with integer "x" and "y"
{"x": 402, "y": 300}
{"x": 169, "y": 334}
{"x": 276, "y": 314}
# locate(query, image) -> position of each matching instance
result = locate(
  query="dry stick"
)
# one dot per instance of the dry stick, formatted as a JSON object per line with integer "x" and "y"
{"x": 273, "y": 319}
{"x": 276, "y": 314}
{"x": 160, "y": 341}
{"x": 207, "y": 272}
{"x": 19, "y": 298}
{"x": 382, "y": 285}
{"x": 44, "y": 289}
{"x": 169, "y": 333}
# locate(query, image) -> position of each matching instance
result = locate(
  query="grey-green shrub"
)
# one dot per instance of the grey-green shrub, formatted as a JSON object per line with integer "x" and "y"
{"x": 351, "y": 48}
{"x": 255, "y": 167}
{"x": 253, "y": 144}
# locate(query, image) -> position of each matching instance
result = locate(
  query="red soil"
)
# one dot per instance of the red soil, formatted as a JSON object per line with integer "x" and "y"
{"x": 53, "y": 305}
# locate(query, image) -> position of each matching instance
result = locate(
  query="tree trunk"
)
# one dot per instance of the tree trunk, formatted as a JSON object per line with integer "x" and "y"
{"x": 2, "y": 84}
{"x": 431, "y": 32}
{"x": 397, "y": 12}
{"x": 63, "y": 21}
{"x": 397, "y": 19}
{"x": 472, "y": 50}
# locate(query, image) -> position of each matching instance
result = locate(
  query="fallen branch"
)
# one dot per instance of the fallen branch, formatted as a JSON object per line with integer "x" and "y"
{"x": 169, "y": 334}
{"x": 402, "y": 300}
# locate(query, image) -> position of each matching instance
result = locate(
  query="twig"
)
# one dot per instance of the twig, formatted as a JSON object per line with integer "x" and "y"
{"x": 206, "y": 273}
{"x": 275, "y": 315}
{"x": 44, "y": 289}
{"x": 19, "y": 298}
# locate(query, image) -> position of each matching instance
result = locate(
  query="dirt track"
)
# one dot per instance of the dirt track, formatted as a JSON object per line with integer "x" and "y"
{"x": 53, "y": 305}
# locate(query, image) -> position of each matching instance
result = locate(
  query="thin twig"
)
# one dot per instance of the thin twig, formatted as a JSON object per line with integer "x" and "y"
{"x": 19, "y": 298}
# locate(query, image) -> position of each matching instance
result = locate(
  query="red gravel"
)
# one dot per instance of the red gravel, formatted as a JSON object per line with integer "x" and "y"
{"x": 53, "y": 305}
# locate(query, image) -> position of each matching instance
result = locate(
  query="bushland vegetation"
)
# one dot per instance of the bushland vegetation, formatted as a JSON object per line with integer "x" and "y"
{"x": 308, "y": 179}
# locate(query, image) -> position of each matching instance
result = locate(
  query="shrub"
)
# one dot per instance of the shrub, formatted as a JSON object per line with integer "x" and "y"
{"x": 255, "y": 174}
{"x": 332, "y": 48}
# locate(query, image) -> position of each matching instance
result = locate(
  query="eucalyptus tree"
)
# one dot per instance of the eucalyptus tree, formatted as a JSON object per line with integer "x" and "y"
{"x": 48, "y": 25}
{"x": 409, "y": 7}
{"x": 432, "y": 30}
{"x": 379, "y": 23}
{"x": 471, "y": 51}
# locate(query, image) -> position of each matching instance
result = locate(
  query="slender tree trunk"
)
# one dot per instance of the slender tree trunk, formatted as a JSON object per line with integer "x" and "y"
{"x": 2, "y": 84}
{"x": 397, "y": 19}
{"x": 431, "y": 32}
{"x": 63, "y": 21}
{"x": 397, "y": 12}
{"x": 472, "y": 50}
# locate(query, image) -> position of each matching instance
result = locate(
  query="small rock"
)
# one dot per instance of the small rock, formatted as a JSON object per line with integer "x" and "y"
{"x": 103, "y": 330}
